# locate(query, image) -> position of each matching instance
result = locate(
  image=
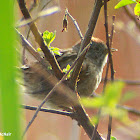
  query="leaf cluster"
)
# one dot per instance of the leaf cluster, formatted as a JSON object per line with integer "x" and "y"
{"x": 48, "y": 39}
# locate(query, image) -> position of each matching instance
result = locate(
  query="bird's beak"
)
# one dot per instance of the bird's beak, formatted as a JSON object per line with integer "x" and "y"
{"x": 114, "y": 50}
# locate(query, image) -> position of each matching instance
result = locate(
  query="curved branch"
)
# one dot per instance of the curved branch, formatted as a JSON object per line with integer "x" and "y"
{"x": 91, "y": 26}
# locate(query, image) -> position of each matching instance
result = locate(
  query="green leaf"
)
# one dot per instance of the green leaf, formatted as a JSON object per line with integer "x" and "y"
{"x": 127, "y": 96}
{"x": 137, "y": 9}
{"x": 49, "y": 37}
{"x": 95, "y": 119}
{"x": 112, "y": 93}
{"x": 65, "y": 70}
{"x": 110, "y": 97}
{"x": 39, "y": 50}
{"x": 113, "y": 138}
{"x": 108, "y": 102}
{"x": 55, "y": 50}
{"x": 124, "y": 3}
{"x": 96, "y": 102}
{"x": 49, "y": 67}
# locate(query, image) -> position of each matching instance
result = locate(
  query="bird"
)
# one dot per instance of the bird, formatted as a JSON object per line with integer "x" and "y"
{"x": 89, "y": 77}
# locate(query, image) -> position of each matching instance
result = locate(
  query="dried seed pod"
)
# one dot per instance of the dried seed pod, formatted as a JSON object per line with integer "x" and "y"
{"x": 65, "y": 23}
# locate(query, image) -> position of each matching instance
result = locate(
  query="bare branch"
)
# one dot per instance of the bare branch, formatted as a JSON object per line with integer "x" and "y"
{"x": 129, "y": 109}
{"x": 65, "y": 113}
{"x": 75, "y": 23}
{"x": 110, "y": 61}
{"x": 83, "y": 120}
{"x": 29, "y": 47}
{"x": 43, "y": 13}
{"x": 87, "y": 37}
{"x": 105, "y": 79}
{"x": 128, "y": 82}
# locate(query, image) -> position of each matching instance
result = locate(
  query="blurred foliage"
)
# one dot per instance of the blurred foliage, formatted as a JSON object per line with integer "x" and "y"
{"x": 108, "y": 102}
{"x": 9, "y": 93}
{"x": 113, "y": 138}
{"x": 127, "y": 2}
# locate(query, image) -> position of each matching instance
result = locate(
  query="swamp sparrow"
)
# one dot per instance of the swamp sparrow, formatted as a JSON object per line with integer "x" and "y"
{"x": 89, "y": 77}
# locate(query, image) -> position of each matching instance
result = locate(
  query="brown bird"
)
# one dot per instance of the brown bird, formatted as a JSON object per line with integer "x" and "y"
{"x": 89, "y": 77}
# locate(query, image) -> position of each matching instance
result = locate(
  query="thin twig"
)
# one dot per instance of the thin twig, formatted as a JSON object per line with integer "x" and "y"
{"x": 105, "y": 80}
{"x": 111, "y": 38}
{"x": 72, "y": 115}
{"x": 38, "y": 37}
{"x": 75, "y": 23}
{"x": 30, "y": 9}
{"x": 32, "y": 51}
{"x": 109, "y": 127}
{"x": 112, "y": 31}
{"x": 106, "y": 75}
{"x": 87, "y": 37}
{"x": 129, "y": 109}
{"x": 110, "y": 61}
{"x": 65, "y": 113}
{"x": 43, "y": 13}
{"x": 96, "y": 126}
{"x": 127, "y": 82}
{"x": 99, "y": 112}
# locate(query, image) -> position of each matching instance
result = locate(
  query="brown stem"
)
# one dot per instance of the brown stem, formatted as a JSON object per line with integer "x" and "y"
{"x": 84, "y": 120}
{"x": 75, "y": 23}
{"x": 87, "y": 38}
{"x": 105, "y": 79}
{"x": 110, "y": 61}
{"x": 127, "y": 82}
{"x": 32, "y": 51}
{"x": 64, "y": 113}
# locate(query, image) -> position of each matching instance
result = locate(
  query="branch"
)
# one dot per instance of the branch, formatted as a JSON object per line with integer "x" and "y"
{"x": 43, "y": 13}
{"x": 128, "y": 82}
{"x": 105, "y": 79}
{"x": 75, "y": 23}
{"x": 87, "y": 38}
{"x": 129, "y": 109}
{"x": 49, "y": 57}
{"x": 84, "y": 120}
{"x": 32, "y": 51}
{"x": 110, "y": 61}
{"x": 70, "y": 114}
{"x": 82, "y": 116}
